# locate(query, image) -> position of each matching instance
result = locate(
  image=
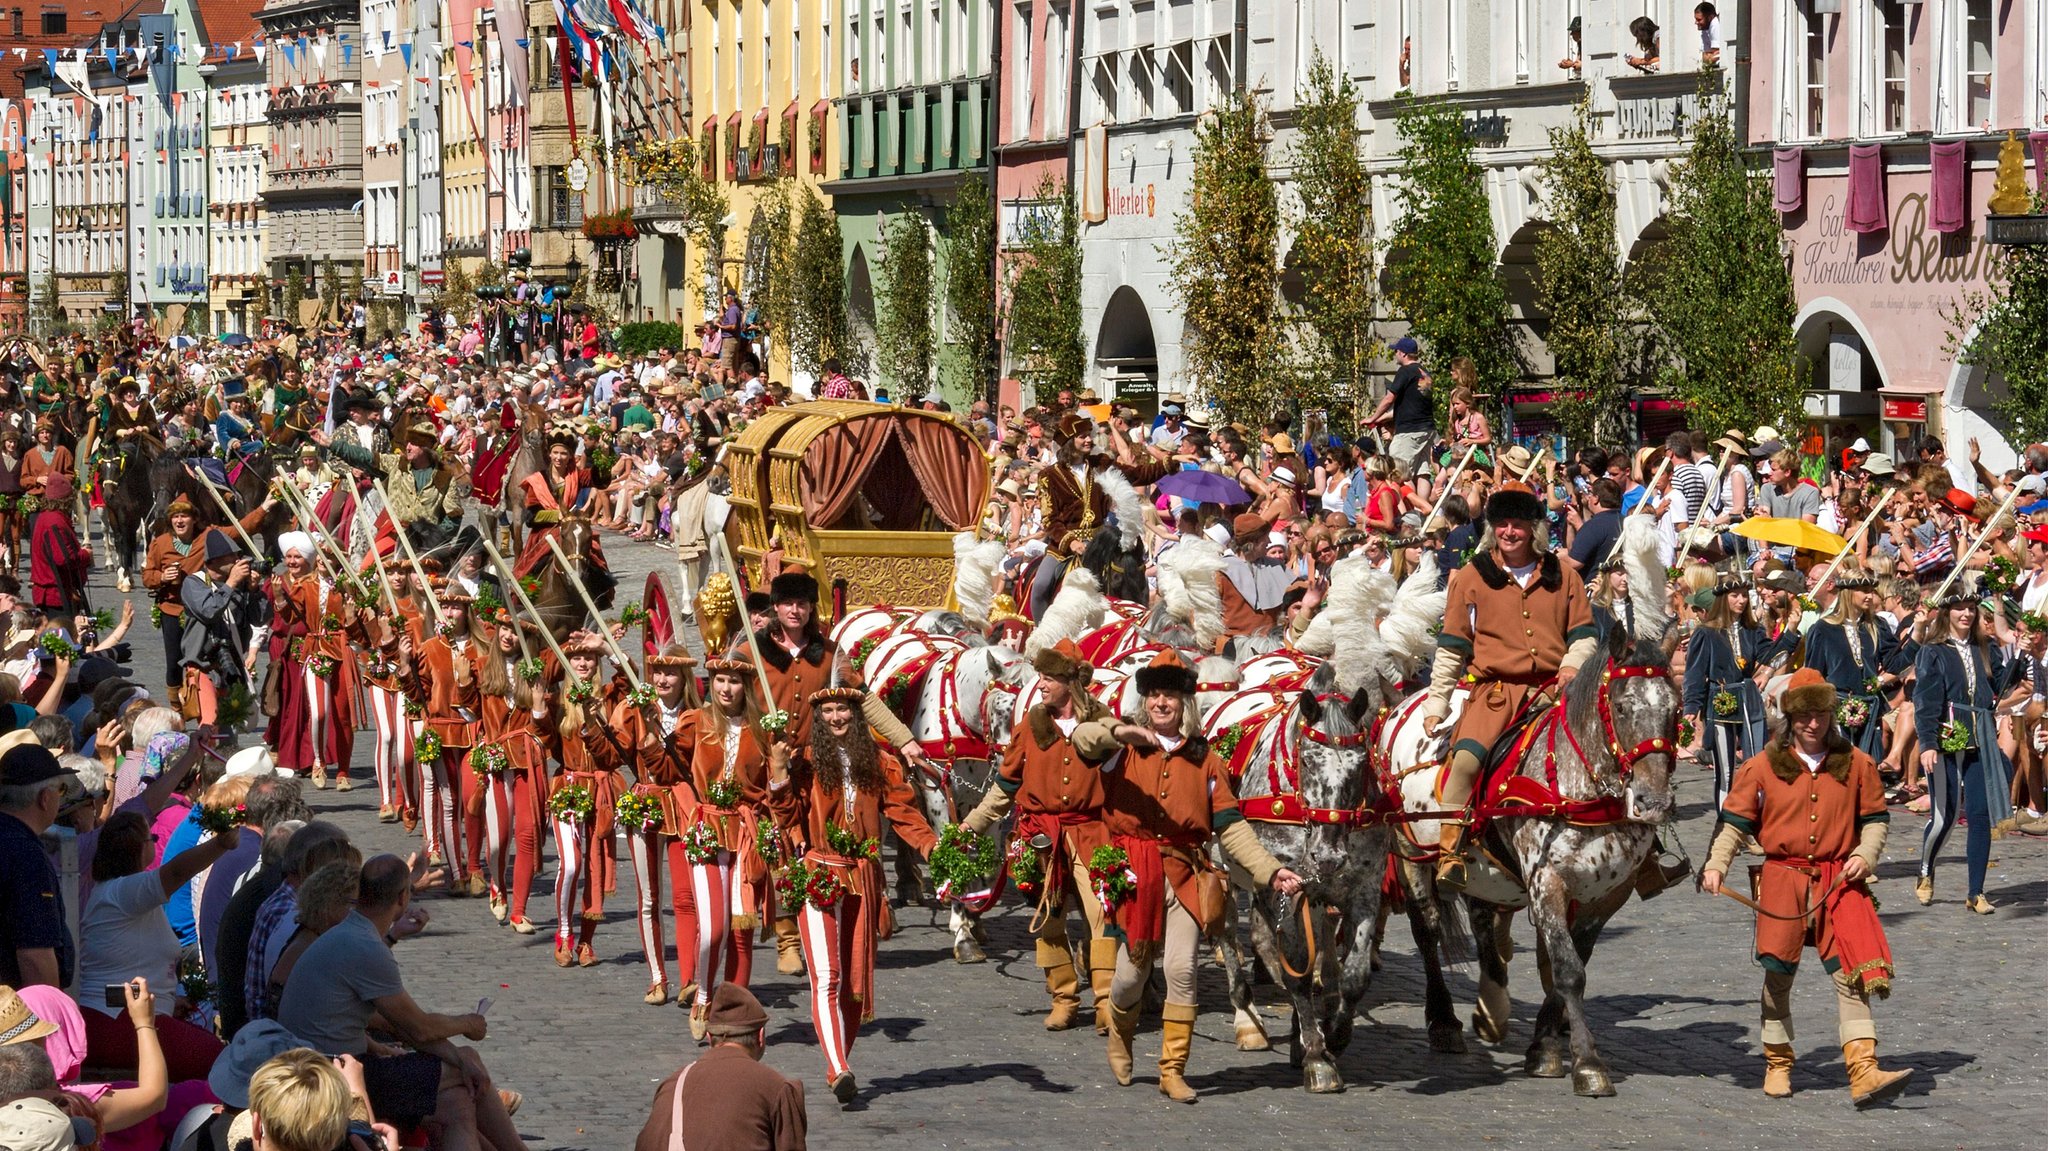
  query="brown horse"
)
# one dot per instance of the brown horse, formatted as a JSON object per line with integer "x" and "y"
{"x": 561, "y": 609}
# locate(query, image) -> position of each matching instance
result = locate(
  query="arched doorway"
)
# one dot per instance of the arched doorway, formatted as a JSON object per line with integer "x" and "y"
{"x": 860, "y": 309}
{"x": 1842, "y": 401}
{"x": 1967, "y": 413}
{"x": 1126, "y": 354}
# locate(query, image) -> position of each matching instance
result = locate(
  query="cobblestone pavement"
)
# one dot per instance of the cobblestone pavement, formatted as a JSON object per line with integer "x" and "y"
{"x": 958, "y": 1059}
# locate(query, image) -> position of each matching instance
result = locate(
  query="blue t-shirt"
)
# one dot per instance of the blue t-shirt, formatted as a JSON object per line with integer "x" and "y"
{"x": 183, "y": 838}
{"x": 31, "y": 904}
{"x": 334, "y": 988}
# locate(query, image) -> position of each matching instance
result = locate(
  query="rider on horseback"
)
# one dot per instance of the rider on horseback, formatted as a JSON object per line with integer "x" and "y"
{"x": 234, "y": 430}
{"x": 1073, "y": 495}
{"x": 426, "y": 497}
{"x": 1515, "y": 619}
{"x": 125, "y": 423}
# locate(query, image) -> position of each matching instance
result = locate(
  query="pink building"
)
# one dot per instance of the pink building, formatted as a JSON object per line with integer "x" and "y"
{"x": 1886, "y": 118}
{"x": 1034, "y": 117}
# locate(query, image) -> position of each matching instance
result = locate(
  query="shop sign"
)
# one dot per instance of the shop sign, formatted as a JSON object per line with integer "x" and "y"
{"x": 1487, "y": 128}
{"x": 1911, "y": 411}
{"x": 1655, "y": 117}
{"x": 1910, "y": 255}
{"x": 1133, "y": 201}
{"x": 2029, "y": 230}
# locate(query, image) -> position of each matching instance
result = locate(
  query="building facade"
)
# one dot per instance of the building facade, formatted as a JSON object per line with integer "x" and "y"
{"x": 914, "y": 108}
{"x": 313, "y": 182}
{"x": 80, "y": 132}
{"x": 167, "y": 187}
{"x": 1885, "y": 122}
{"x": 238, "y": 144}
{"x": 1034, "y": 110}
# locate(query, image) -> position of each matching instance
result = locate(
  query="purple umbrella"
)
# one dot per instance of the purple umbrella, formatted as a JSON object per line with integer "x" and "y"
{"x": 1204, "y": 488}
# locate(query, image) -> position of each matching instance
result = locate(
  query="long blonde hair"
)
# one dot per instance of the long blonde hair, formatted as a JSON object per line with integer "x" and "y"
{"x": 492, "y": 679}
{"x": 750, "y": 707}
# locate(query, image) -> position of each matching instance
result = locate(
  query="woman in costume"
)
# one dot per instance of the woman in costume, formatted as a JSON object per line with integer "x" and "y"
{"x": 511, "y": 762}
{"x": 583, "y": 836}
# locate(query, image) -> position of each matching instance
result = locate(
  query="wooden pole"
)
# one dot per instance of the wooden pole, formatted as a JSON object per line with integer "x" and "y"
{"x": 398, "y": 529}
{"x": 1713, "y": 485}
{"x": 505, "y": 573}
{"x": 746, "y": 626}
{"x": 234, "y": 521}
{"x": 1963, "y": 560}
{"x": 1851, "y": 545}
{"x": 583, "y": 593}
{"x": 304, "y": 509}
{"x": 1450, "y": 482}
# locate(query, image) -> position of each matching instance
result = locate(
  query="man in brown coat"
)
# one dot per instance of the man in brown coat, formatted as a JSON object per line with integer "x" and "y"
{"x": 1515, "y": 618}
{"x": 1057, "y": 791}
{"x": 728, "y": 1100}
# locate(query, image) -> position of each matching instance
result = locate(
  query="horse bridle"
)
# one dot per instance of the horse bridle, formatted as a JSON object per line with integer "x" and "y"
{"x": 1625, "y": 760}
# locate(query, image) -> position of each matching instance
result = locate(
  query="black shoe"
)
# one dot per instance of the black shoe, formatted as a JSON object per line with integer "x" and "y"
{"x": 844, "y": 1088}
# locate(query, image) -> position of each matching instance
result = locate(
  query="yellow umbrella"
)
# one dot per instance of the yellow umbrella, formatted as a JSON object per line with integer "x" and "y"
{"x": 1791, "y": 533}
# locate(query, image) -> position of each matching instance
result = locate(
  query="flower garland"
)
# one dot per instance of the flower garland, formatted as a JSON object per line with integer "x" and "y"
{"x": 488, "y": 759}
{"x": 530, "y": 669}
{"x": 1955, "y": 738}
{"x": 156, "y": 616}
{"x": 414, "y": 708}
{"x": 700, "y": 842}
{"x": 1027, "y": 866}
{"x": 845, "y": 841}
{"x": 219, "y": 820}
{"x": 1110, "y": 874}
{"x": 963, "y": 861}
{"x": 1852, "y": 712}
{"x": 1226, "y": 744}
{"x": 2000, "y": 575}
{"x": 1687, "y": 729}
{"x": 768, "y": 841}
{"x": 816, "y": 886}
{"x": 427, "y": 748}
{"x": 724, "y": 793}
{"x": 572, "y": 801}
{"x": 637, "y": 812}
{"x": 864, "y": 649}
{"x": 323, "y": 666}
{"x": 1726, "y": 703}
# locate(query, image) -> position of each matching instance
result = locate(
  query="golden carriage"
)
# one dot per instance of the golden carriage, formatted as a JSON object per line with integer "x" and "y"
{"x": 869, "y": 494}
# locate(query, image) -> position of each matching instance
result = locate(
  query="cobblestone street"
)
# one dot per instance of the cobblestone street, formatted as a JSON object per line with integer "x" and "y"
{"x": 958, "y": 1059}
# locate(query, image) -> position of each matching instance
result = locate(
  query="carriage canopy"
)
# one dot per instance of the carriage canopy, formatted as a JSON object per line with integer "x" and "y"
{"x": 866, "y": 493}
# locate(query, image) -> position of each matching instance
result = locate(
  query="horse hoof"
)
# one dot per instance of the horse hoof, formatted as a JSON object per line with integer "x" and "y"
{"x": 1545, "y": 1064}
{"x": 1250, "y": 1037}
{"x": 1373, "y": 959}
{"x": 1321, "y": 1078}
{"x": 968, "y": 951}
{"x": 124, "y": 585}
{"x": 1488, "y": 1029}
{"x": 1448, "y": 1040}
{"x": 1592, "y": 1082}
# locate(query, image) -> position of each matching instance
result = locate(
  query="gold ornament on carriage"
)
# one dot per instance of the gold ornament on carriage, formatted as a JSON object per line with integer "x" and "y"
{"x": 718, "y": 611}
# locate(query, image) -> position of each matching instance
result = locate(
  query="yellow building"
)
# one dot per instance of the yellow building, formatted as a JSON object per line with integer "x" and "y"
{"x": 761, "y": 76}
{"x": 465, "y": 192}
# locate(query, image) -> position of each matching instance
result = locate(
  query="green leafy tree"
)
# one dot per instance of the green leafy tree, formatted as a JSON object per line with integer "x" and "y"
{"x": 458, "y": 291}
{"x": 1332, "y": 241}
{"x": 640, "y": 338}
{"x": 49, "y": 310}
{"x": 1441, "y": 273}
{"x": 903, "y": 322}
{"x": 1591, "y": 331}
{"x": 2002, "y": 330}
{"x": 1717, "y": 290}
{"x": 971, "y": 287}
{"x": 1225, "y": 267}
{"x": 817, "y": 327}
{"x": 1043, "y": 321}
{"x": 771, "y": 257}
{"x": 295, "y": 293}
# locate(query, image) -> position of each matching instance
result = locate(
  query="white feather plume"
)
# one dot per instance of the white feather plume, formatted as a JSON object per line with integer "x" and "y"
{"x": 1317, "y": 638}
{"x": 1127, "y": 504}
{"x": 1408, "y": 632}
{"x": 1647, "y": 599}
{"x": 974, "y": 575}
{"x": 1078, "y": 607}
{"x": 1187, "y": 587}
{"x": 1358, "y": 596}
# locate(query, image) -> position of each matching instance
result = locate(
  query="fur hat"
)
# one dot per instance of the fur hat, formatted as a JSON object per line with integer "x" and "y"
{"x": 1808, "y": 691}
{"x": 1166, "y": 672}
{"x": 181, "y": 505}
{"x": 1063, "y": 661}
{"x": 794, "y": 585}
{"x": 1508, "y": 504}
{"x": 424, "y": 434}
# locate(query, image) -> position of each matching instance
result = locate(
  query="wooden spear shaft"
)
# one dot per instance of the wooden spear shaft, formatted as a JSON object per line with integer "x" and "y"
{"x": 603, "y": 628}
{"x": 1450, "y": 484}
{"x": 1857, "y": 535}
{"x": 746, "y": 626}
{"x": 398, "y": 529}
{"x": 505, "y": 573}
{"x": 233, "y": 520}
{"x": 1963, "y": 560}
{"x": 305, "y": 510}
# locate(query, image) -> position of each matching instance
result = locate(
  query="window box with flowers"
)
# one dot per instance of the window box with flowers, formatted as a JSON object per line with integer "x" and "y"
{"x": 617, "y": 226}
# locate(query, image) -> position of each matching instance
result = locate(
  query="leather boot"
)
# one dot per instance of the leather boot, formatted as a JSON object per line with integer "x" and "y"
{"x": 1869, "y": 1084}
{"x": 1176, "y": 1035}
{"x": 1123, "y": 1028}
{"x": 1778, "y": 1070}
{"x": 1450, "y": 863}
{"x": 1058, "y": 964}
{"x": 789, "y": 946}
{"x": 1101, "y": 969}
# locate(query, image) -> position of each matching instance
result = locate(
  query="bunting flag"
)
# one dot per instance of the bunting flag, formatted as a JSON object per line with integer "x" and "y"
{"x": 405, "y": 53}
{"x": 259, "y": 48}
{"x": 511, "y": 24}
{"x": 320, "y": 53}
{"x": 348, "y": 55}
{"x": 291, "y": 57}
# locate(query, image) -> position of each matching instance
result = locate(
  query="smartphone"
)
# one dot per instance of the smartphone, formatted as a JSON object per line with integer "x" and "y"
{"x": 117, "y": 995}
{"x": 483, "y": 1006}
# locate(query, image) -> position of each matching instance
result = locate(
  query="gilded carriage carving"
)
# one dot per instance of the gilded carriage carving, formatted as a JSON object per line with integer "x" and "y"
{"x": 868, "y": 494}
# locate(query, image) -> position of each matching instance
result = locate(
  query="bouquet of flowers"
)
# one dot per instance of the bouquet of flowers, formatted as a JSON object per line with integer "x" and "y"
{"x": 446, "y": 631}
{"x": 488, "y": 759}
{"x": 776, "y": 722}
{"x": 323, "y": 666}
{"x": 193, "y": 986}
{"x": 54, "y": 645}
{"x": 844, "y": 841}
{"x": 1999, "y": 576}
{"x": 427, "y": 748}
{"x": 1109, "y": 872}
{"x": 700, "y": 842}
{"x": 156, "y": 616}
{"x": 486, "y": 603}
{"x": 1807, "y": 603}
{"x": 640, "y": 696}
{"x": 217, "y": 820}
{"x": 637, "y": 812}
{"x": 632, "y": 614}
{"x": 530, "y": 669}
{"x": 821, "y": 889}
{"x": 572, "y": 801}
{"x": 1686, "y": 730}
{"x": 1726, "y": 703}
{"x": 1852, "y": 712}
{"x": 1955, "y": 737}
{"x": 724, "y": 792}
{"x": 530, "y": 585}
{"x": 963, "y": 861}
{"x": 1225, "y": 745}
{"x": 1027, "y": 866}
{"x": 1872, "y": 685}
{"x": 582, "y": 691}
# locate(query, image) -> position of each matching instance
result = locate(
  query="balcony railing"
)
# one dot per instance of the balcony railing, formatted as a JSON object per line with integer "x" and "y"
{"x": 659, "y": 212}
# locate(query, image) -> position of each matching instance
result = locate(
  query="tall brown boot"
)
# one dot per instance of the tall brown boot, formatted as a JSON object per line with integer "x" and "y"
{"x": 1176, "y": 1035}
{"x": 1450, "y": 863}
{"x": 1123, "y": 1028}
{"x": 1101, "y": 970}
{"x": 1869, "y": 1084}
{"x": 789, "y": 946}
{"x": 1061, "y": 981}
{"x": 1778, "y": 1070}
